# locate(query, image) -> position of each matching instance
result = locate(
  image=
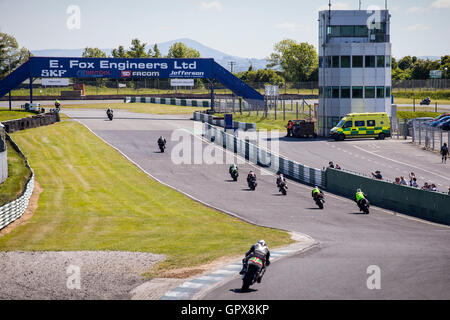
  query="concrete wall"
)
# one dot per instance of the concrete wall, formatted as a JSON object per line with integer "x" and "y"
{"x": 428, "y": 205}
{"x": 3, "y": 155}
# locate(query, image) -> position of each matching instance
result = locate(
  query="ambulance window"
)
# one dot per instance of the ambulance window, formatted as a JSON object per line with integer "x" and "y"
{"x": 348, "y": 124}
{"x": 359, "y": 123}
{"x": 371, "y": 123}
{"x": 340, "y": 123}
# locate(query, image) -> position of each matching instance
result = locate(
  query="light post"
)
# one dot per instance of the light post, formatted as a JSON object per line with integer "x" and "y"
{"x": 445, "y": 77}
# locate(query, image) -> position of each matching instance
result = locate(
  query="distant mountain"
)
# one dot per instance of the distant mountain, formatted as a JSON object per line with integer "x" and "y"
{"x": 241, "y": 64}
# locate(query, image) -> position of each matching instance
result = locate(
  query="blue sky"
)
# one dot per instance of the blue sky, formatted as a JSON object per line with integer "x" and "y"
{"x": 246, "y": 28}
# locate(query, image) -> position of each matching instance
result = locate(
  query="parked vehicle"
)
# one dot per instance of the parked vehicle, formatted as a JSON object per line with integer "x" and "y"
{"x": 362, "y": 125}
{"x": 443, "y": 119}
{"x": 445, "y": 125}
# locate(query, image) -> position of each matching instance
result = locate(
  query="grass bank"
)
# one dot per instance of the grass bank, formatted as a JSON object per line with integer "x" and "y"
{"x": 6, "y": 114}
{"x": 417, "y": 114}
{"x": 18, "y": 175}
{"x": 95, "y": 199}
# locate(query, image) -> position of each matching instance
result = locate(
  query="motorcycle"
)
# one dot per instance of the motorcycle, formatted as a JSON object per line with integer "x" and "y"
{"x": 319, "y": 200}
{"x": 110, "y": 115}
{"x": 57, "y": 107}
{"x": 234, "y": 175}
{"x": 364, "y": 206}
{"x": 162, "y": 146}
{"x": 252, "y": 183}
{"x": 425, "y": 101}
{"x": 254, "y": 273}
{"x": 282, "y": 187}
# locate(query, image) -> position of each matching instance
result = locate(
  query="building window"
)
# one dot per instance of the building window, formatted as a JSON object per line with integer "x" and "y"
{"x": 380, "y": 61}
{"x": 357, "y": 92}
{"x": 388, "y": 92}
{"x": 345, "y": 92}
{"x": 357, "y": 61}
{"x": 359, "y": 124}
{"x": 380, "y": 92}
{"x": 361, "y": 31}
{"x": 335, "y": 31}
{"x": 335, "y": 92}
{"x": 370, "y": 61}
{"x": 328, "y": 62}
{"x": 388, "y": 61}
{"x": 320, "y": 62}
{"x": 320, "y": 92}
{"x": 335, "y": 62}
{"x": 328, "y": 92}
{"x": 369, "y": 92}
{"x": 346, "y": 31}
{"x": 345, "y": 62}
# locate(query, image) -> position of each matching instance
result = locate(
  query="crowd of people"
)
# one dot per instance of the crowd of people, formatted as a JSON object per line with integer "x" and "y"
{"x": 413, "y": 182}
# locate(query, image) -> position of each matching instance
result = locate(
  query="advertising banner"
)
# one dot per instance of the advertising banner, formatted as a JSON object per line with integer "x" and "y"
{"x": 120, "y": 68}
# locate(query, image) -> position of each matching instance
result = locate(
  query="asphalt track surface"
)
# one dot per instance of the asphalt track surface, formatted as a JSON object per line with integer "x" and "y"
{"x": 393, "y": 157}
{"x": 413, "y": 255}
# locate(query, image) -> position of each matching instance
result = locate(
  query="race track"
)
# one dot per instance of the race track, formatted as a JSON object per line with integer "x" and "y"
{"x": 413, "y": 256}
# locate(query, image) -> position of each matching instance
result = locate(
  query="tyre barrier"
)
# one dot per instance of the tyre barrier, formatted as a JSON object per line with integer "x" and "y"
{"x": 31, "y": 122}
{"x": 264, "y": 158}
{"x": 170, "y": 101}
{"x": 203, "y": 117}
{"x": 429, "y": 205}
{"x": 15, "y": 209}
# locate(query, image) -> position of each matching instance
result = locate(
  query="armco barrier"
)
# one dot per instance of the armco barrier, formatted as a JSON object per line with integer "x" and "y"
{"x": 265, "y": 158}
{"x": 245, "y": 126}
{"x": 15, "y": 209}
{"x": 31, "y": 122}
{"x": 171, "y": 101}
{"x": 428, "y": 205}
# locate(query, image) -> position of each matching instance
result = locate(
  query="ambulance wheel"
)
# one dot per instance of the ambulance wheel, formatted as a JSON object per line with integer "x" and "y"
{"x": 381, "y": 136}
{"x": 341, "y": 137}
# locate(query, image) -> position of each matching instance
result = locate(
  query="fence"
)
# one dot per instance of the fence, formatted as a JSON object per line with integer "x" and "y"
{"x": 200, "y": 116}
{"x": 429, "y": 205}
{"x": 170, "y": 101}
{"x": 432, "y": 138}
{"x": 15, "y": 209}
{"x": 262, "y": 157}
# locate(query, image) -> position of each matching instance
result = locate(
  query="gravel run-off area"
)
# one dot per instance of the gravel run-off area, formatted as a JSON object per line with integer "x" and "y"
{"x": 73, "y": 274}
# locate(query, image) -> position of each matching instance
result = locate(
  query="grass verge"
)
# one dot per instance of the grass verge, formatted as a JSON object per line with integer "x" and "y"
{"x": 18, "y": 175}
{"x": 268, "y": 123}
{"x": 417, "y": 114}
{"x": 137, "y": 107}
{"x": 6, "y": 114}
{"x": 95, "y": 199}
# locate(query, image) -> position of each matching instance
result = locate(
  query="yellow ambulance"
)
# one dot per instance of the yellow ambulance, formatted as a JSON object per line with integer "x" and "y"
{"x": 362, "y": 125}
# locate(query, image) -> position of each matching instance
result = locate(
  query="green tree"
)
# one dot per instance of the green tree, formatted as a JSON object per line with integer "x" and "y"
{"x": 421, "y": 68}
{"x": 267, "y": 76}
{"x": 297, "y": 60}
{"x": 180, "y": 50}
{"x": 93, "y": 53}
{"x": 156, "y": 52}
{"x": 120, "y": 53}
{"x": 405, "y": 63}
{"x": 137, "y": 49}
{"x": 11, "y": 56}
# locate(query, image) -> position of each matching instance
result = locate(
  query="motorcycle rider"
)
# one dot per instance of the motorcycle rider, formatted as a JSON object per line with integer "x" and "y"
{"x": 280, "y": 179}
{"x": 358, "y": 197}
{"x": 259, "y": 250}
{"x": 233, "y": 168}
{"x": 161, "y": 141}
{"x": 109, "y": 111}
{"x": 251, "y": 175}
{"x": 57, "y": 104}
{"x": 316, "y": 192}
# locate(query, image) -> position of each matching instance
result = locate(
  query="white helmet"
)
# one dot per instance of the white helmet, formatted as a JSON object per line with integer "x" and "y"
{"x": 262, "y": 242}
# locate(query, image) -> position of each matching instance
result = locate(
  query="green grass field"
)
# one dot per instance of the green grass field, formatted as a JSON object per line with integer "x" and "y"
{"x": 18, "y": 175}
{"x": 15, "y": 113}
{"x": 90, "y": 203}
{"x": 136, "y": 107}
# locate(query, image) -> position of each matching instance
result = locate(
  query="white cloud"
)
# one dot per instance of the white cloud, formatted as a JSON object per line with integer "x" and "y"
{"x": 441, "y": 4}
{"x": 213, "y": 5}
{"x": 334, "y": 6}
{"x": 417, "y": 27}
{"x": 290, "y": 26}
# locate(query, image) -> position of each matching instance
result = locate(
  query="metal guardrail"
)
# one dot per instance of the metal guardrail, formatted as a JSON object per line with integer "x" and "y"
{"x": 15, "y": 209}
{"x": 262, "y": 157}
{"x": 245, "y": 126}
{"x": 431, "y": 138}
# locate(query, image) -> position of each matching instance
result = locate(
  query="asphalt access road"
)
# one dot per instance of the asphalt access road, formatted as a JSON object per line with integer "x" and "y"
{"x": 413, "y": 256}
{"x": 393, "y": 157}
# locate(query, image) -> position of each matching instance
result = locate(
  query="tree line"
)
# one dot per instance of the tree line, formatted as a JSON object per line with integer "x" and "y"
{"x": 290, "y": 61}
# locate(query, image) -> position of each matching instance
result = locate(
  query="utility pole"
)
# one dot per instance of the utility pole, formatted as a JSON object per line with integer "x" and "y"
{"x": 232, "y": 63}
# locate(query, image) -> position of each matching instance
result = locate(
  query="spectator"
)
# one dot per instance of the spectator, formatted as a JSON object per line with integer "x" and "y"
{"x": 397, "y": 180}
{"x": 331, "y": 165}
{"x": 449, "y": 191}
{"x": 290, "y": 127}
{"x": 426, "y": 187}
{"x": 444, "y": 153}
{"x": 433, "y": 187}
{"x": 377, "y": 175}
{"x": 338, "y": 167}
{"x": 413, "y": 183}
{"x": 403, "y": 181}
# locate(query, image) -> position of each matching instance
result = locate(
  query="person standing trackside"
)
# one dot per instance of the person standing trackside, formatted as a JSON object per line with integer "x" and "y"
{"x": 444, "y": 153}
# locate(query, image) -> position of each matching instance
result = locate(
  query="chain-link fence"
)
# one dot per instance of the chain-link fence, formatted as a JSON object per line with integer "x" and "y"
{"x": 432, "y": 138}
